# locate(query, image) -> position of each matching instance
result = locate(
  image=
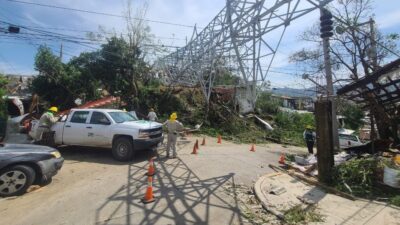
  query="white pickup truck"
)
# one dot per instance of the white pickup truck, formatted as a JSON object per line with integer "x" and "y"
{"x": 119, "y": 130}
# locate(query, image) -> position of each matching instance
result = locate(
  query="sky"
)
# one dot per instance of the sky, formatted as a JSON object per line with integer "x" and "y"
{"x": 17, "y": 55}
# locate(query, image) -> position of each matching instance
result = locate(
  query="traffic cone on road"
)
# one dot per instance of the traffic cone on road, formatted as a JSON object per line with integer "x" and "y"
{"x": 282, "y": 159}
{"x": 194, "y": 149}
{"x": 252, "y": 149}
{"x": 197, "y": 144}
{"x": 219, "y": 139}
{"x": 148, "y": 197}
{"x": 151, "y": 171}
{"x": 204, "y": 141}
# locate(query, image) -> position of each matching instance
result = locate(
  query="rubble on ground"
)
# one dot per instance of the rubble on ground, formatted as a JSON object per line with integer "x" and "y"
{"x": 249, "y": 206}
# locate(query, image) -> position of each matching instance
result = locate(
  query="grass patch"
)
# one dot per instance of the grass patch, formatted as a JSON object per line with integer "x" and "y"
{"x": 298, "y": 215}
{"x": 395, "y": 200}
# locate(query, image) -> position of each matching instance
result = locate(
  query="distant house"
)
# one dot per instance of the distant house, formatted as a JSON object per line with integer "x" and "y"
{"x": 18, "y": 94}
{"x": 239, "y": 95}
{"x": 296, "y": 103}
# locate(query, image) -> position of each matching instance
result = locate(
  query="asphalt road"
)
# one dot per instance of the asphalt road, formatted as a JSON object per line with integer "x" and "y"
{"x": 92, "y": 188}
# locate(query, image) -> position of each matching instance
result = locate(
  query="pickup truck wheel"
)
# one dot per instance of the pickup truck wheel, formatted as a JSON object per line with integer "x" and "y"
{"x": 16, "y": 180}
{"x": 122, "y": 149}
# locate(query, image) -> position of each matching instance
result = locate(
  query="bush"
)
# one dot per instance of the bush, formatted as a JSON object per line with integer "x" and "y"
{"x": 357, "y": 174}
{"x": 290, "y": 127}
{"x": 395, "y": 201}
{"x": 268, "y": 105}
{"x": 3, "y": 106}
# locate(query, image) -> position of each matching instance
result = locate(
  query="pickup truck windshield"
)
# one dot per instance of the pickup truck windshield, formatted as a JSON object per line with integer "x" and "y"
{"x": 120, "y": 117}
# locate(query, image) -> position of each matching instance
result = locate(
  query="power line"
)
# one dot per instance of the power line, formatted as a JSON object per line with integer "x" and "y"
{"x": 99, "y": 13}
{"x": 80, "y": 30}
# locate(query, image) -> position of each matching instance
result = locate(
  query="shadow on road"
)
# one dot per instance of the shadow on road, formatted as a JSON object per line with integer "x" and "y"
{"x": 181, "y": 198}
{"x": 76, "y": 154}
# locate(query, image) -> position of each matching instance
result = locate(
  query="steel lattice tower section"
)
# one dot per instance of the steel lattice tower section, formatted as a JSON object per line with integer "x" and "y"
{"x": 242, "y": 39}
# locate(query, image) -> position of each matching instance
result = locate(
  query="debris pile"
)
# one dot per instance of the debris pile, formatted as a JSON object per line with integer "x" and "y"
{"x": 249, "y": 206}
{"x": 358, "y": 174}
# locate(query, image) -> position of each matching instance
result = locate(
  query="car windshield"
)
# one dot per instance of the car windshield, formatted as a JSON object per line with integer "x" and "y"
{"x": 348, "y": 137}
{"x": 120, "y": 117}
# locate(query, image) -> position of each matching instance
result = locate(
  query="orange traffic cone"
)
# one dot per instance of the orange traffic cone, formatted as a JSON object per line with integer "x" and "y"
{"x": 204, "y": 141}
{"x": 194, "y": 150}
{"x": 219, "y": 139}
{"x": 148, "y": 197}
{"x": 151, "y": 171}
{"x": 282, "y": 159}
{"x": 252, "y": 149}
{"x": 197, "y": 144}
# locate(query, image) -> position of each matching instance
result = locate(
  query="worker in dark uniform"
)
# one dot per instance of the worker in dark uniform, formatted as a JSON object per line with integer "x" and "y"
{"x": 309, "y": 137}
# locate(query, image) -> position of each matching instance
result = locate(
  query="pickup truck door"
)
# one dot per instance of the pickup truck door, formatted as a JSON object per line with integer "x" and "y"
{"x": 75, "y": 131}
{"x": 99, "y": 128}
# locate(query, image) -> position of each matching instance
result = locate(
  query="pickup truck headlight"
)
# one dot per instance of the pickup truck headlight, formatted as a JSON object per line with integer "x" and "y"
{"x": 56, "y": 154}
{"x": 144, "y": 134}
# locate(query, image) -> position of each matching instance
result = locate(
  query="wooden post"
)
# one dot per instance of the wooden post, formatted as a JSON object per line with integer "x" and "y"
{"x": 325, "y": 145}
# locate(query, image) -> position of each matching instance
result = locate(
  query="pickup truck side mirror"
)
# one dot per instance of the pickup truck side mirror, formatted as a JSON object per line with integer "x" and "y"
{"x": 105, "y": 122}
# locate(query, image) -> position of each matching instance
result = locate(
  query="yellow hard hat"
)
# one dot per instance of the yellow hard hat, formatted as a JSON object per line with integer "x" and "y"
{"x": 53, "y": 109}
{"x": 309, "y": 127}
{"x": 173, "y": 116}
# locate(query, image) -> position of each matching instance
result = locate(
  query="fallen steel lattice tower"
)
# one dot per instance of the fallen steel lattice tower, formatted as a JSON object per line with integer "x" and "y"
{"x": 242, "y": 39}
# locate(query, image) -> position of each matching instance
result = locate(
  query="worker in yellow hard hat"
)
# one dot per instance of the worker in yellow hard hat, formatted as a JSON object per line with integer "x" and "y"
{"x": 152, "y": 116}
{"x": 46, "y": 121}
{"x": 174, "y": 126}
{"x": 309, "y": 138}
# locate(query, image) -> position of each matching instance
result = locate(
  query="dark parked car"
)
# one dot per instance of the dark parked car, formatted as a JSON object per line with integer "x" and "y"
{"x": 23, "y": 165}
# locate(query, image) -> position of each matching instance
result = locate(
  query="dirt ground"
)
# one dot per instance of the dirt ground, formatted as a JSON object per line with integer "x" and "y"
{"x": 92, "y": 188}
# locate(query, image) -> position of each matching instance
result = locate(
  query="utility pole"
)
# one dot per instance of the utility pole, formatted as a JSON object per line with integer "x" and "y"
{"x": 326, "y": 33}
{"x": 325, "y": 110}
{"x": 373, "y": 53}
{"x": 61, "y": 51}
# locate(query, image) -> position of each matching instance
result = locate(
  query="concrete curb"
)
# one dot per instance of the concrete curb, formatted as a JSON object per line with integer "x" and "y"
{"x": 262, "y": 198}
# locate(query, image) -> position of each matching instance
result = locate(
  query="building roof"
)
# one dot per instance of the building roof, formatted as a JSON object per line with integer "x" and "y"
{"x": 383, "y": 85}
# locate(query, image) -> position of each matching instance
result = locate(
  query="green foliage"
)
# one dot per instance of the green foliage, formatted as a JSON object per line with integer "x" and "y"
{"x": 298, "y": 215}
{"x": 357, "y": 174}
{"x": 117, "y": 66}
{"x": 163, "y": 102}
{"x": 3, "y": 106}
{"x": 120, "y": 68}
{"x": 60, "y": 84}
{"x": 395, "y": 201}
{"x": 290, "y": 127}
{"x": 88, "y": 84}
{"x": 51, "y": 84}
{"x": 352, "y": 113}
{"x": 226, "y": 78}
{"x": 267, "y": 104}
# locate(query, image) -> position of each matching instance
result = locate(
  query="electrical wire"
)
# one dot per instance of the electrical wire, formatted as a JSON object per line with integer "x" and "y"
{"x": 99, "y": 13}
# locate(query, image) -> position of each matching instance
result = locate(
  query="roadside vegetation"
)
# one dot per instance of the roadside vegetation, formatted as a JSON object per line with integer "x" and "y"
{"x": 3, "y": 106}
{"x": 362, "y": 178}
{"x": 300, "y": 215}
